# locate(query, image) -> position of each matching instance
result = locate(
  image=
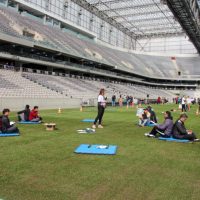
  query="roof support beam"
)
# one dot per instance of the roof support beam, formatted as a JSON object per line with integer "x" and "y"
{"x": 187, "y": 13}
{"x": 145, "y": 20}
{"x": 128, "y": 7}
{"x": 103, "y": 16}
{"x": 160, "y": 35}
{"x": 138, "y": 14}
{"x": 111, "y": 2}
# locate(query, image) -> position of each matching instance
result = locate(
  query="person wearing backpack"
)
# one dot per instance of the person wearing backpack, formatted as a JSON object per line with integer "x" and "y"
{"x": 6, "y": 127}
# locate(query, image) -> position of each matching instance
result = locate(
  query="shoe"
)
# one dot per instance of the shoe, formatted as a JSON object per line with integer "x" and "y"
{"x": 150, "y": 135}
{"x": 146, "y": 134}
{"x": 94, "y": 126}
{"x": 100, "y": 126}
{"x": 196, "y": 140}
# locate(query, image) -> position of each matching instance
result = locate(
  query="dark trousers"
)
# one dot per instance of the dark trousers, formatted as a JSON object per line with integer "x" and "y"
{"x": 12, "y": 129}
{"x": 186, "y": 137}
{"x": 100, "y": 114}
{"x": 155, "y": 130}
{"x": 183, "y": 107}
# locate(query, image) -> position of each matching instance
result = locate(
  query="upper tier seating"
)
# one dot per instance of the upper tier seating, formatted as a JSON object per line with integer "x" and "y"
{"x": 13, "y": 23}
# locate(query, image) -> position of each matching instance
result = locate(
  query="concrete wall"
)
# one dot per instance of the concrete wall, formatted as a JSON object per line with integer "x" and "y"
{"x": 51, "y": 103}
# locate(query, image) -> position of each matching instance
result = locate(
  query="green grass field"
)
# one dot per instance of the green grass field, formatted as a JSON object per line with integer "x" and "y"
{"x": 41, "y": 165}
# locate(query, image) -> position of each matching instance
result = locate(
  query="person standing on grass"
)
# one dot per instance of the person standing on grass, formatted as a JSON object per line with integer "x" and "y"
{"x": 120, "y": 101}
{"x": 113, "y": 100}
{"x": 180, "y": 132}
{"x": 101, "y": 109}
{"x": 184, "y": 104}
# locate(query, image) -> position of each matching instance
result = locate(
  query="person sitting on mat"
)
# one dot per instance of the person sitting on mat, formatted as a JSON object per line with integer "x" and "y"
{"x": 140, "y": 110}
{"x": 34, "y": 116}
{"x": 165, "y": 129}
{"x": 24, "y": 114}
{"x": 152, "y": 114}
{"x": 101, "y": 109}
{"x": 6, "y": 126}
{"x": 180, "y": 132}
{"x": 145, "y": 118}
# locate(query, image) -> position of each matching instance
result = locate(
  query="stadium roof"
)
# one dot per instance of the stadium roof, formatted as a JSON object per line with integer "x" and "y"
{"x": 138, "y": 18}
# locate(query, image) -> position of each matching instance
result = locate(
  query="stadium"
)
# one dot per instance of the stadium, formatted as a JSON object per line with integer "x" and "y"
{"x": 143, "y": 57}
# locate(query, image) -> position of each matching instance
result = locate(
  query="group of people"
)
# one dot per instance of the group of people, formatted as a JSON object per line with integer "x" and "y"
{"x": 161, "y": 100}
{"x": 24, "y": 115}
{"x": 129, "y": 100}
{"x": 185, "y": 102}
{"x": 29, "y": 115}
{"x": 146, "y": 115}
{"x": 176, "y": 130}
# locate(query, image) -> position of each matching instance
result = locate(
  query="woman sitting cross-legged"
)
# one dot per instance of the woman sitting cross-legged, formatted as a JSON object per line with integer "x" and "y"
{"x": 165, "y": 129}
{"x": 180, "y": 132}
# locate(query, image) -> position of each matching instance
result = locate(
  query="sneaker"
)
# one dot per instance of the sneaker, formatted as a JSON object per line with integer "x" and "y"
{"x": 100, "y": 126}
{"x": 196, "y": 140}
{"x": 94, "y": 126}
{"x": 146, "y": 134}
{"x": 150, "y": 135}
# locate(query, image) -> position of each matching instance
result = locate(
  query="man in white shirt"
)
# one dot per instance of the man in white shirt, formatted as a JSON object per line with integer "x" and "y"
{"x": 183, "y": 102}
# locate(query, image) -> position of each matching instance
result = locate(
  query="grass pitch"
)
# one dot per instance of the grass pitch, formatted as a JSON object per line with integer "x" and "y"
{"x": 41, "y": 165}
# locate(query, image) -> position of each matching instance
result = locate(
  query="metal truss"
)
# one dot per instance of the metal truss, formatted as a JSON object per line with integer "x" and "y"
{"x": 143, "y": 18}
{"x": 187, "y": 13}
{"x": 103, "y": 16}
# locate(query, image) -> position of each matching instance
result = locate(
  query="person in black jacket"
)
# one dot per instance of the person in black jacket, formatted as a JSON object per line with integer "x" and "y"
{"x": 6, "y": 127}
{"x": 23, "y": 115}
{"x": 153, "y": 114}
{"x": 180, "y": 132}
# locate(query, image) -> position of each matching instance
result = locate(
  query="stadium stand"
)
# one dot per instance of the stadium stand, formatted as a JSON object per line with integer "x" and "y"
{"x": 83, "y": 88}
{"x": 17, "y": 25}
{"x": 142, "y": 70}
{"x": 35, "y": 85}
{"x": 12, "y": 84}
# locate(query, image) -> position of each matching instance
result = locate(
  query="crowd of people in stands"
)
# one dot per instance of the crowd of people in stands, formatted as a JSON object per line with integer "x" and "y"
{"x": 6, "y": 126}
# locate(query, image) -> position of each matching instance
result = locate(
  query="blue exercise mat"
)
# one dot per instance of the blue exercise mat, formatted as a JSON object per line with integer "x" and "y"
{"x": 150, "y": 124}
{"x": 96, "y": 149}
{"x": 8, "y": 134}
{"x": 88, "y": 120}
{"x": 173, "y": 139}
{"x": 28, "y": 122}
